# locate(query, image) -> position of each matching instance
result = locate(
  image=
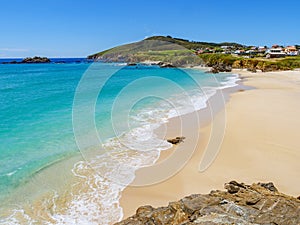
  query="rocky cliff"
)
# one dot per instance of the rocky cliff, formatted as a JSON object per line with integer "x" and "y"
{"x": 240, "y": 204}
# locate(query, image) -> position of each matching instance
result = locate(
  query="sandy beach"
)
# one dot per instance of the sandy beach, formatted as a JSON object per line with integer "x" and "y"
{"x": 261, "y": 143}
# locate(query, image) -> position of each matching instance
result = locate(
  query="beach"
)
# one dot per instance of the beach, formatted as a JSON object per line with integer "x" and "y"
{"x": 260, "y": 144}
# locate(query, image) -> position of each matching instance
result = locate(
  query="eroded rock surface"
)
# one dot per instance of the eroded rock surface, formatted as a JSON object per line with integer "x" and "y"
{"x": 240, "y": 204}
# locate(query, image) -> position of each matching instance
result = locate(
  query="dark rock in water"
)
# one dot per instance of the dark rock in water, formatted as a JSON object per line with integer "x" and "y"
{"x": 12, "y": 62}
{"x": 176, "y": 140}
{"x": 214, "y": 70}
{"x": 244, "y": 204}
{"x": 131, "y": 64}
{"x": 165, "y": 65}
{"x": 36, "y": 59}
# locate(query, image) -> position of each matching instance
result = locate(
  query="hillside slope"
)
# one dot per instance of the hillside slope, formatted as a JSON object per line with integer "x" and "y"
{"x": 178, "y": 52}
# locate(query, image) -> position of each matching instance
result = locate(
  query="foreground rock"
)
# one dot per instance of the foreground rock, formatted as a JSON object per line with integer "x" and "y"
{"x": 176, "y": 140}
{"x": 241, "y": 204}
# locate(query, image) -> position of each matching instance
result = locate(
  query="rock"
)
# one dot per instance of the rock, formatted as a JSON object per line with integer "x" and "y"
{"x": 165, "y": 65}
{"x": 12, "y": 62}
{"x": 131, "y": 64}
{"x": 270, "y": 186}
{"x": 176, "y": 140}
{"x": 220, "y": 67}
{"x": 232, "y": 189}
{"x": 144, "y": 211}
{"x": 241, "y": 204}
{"x": 252, "y": 200}
{"x": 36, "y": 59}
{"x": 214, "y": 70}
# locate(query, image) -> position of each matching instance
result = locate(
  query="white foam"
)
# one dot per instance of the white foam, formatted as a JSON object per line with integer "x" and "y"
{"x": 11, "y": 173}
{"x": 18, "y": 217}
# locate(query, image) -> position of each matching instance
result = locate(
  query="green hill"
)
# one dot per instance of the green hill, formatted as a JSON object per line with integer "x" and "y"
{"x": 193, "y": 45}
{"x": 176, "y": 51}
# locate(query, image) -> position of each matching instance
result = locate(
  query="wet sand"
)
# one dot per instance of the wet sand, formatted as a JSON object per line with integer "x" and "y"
{"x": 261, "y": 142}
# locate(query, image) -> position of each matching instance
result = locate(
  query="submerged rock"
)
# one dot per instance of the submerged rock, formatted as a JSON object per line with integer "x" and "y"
{"x": 241, "y": 204}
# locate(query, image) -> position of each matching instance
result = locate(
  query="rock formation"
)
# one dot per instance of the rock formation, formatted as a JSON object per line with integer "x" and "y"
{"x": 35, "y": 59}
{"x": 241, "y": 204}
{"x": 165, "y": 65}
{"x": 220, "y": 67}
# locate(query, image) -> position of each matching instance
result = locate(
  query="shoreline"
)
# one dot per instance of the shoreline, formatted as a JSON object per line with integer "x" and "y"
{"x": 247, "y": 153}
{"x": 133, "y": 197}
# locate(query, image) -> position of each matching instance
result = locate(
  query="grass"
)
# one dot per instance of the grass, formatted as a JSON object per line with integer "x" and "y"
{"x": 287, "y": 63}
{"x": 212, "y": 59}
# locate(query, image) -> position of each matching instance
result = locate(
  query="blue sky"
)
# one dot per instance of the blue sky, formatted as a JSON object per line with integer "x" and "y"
{"x": 75, "y": 28}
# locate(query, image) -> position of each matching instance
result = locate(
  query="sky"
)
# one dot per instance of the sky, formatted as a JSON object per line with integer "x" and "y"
{"x": 77, "y": 28}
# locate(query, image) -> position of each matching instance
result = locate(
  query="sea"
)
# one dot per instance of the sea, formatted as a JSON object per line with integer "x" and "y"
{"x": 74, "y": 132}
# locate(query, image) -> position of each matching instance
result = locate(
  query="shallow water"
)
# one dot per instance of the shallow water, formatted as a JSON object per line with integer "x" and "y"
{"x": 113, "y": 111}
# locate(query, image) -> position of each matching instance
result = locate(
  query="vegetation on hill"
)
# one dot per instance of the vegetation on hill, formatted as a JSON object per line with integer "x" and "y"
{"x": 192, "y": 45}
{"x": 177, "y": 51}
{"x": 180, "y": 52}
{"x": 252, "y": 64}
{"x": 149, "y": 50}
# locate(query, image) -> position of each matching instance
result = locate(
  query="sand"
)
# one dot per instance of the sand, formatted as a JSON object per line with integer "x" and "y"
{"x": 261, "y": 143}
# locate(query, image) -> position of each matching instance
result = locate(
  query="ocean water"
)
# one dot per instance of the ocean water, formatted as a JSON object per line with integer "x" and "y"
{"x": 103, "y": 115}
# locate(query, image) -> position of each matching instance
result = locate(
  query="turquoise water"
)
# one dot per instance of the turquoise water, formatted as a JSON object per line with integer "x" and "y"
{"x": 35, "y": 118}
{"x": 36, "y": 106}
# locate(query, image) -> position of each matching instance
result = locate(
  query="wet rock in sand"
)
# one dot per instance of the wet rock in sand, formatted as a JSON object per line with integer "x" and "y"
{"x": 176, "y": 140}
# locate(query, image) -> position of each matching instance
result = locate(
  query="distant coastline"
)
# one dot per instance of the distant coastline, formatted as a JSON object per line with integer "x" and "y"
{"x": 222, "y": 57}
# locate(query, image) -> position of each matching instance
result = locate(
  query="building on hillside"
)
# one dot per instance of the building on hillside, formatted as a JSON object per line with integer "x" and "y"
{"x": 262, "y": 49}
{"x": 275, "y": 52}
{"x": 239, "y": 52}
{"x": 291, "y": 50}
